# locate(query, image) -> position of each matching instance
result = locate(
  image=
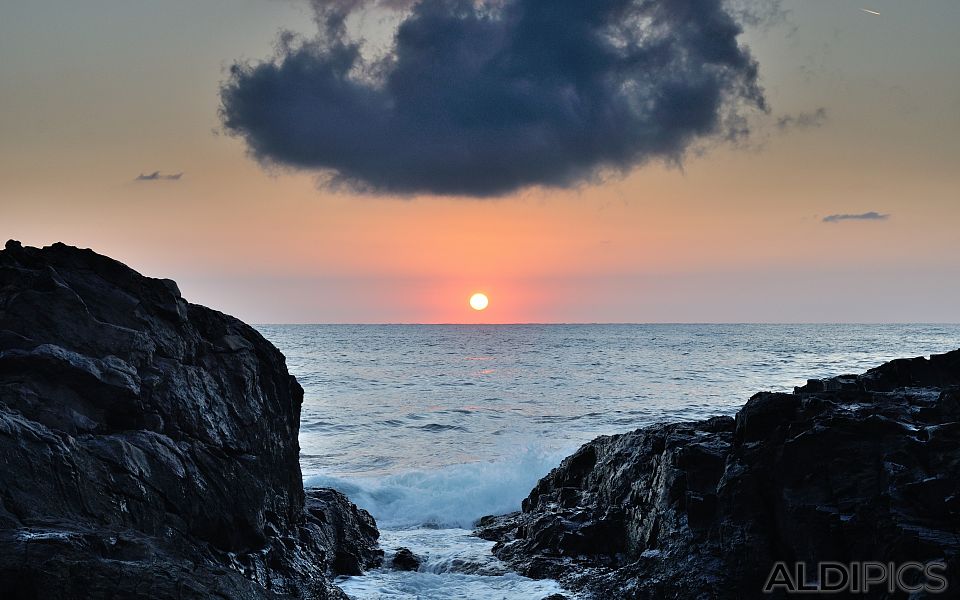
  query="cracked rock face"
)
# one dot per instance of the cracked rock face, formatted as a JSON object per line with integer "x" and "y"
{"x": 148, "y": 446}
{"x": 854, "y": 468}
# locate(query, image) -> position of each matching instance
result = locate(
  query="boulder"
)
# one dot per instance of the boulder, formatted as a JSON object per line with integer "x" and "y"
{"x": 406, "y": 560}
{"x": 148, "y": 446}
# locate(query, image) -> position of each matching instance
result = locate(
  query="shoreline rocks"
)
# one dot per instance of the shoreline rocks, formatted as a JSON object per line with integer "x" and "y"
{"x": 853, "y": 468}
{"x": 148, "y": 446}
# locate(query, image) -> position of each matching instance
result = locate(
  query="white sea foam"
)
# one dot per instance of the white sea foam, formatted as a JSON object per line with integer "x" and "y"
{"x": 452, "y": 496}
{"x": 444, "y": 551}
{"x": 431, "y": 513}
{"x": 429, "y": 586}
{"x": 455, "y": 565}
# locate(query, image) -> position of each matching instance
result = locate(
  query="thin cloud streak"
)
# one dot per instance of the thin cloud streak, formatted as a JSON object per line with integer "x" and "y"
{"x": 158, "y": 176}
{"x": 867, "y": 216}
{"x": 803, "y": 120}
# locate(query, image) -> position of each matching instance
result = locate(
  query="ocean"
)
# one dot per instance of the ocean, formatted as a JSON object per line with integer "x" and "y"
{"x": 430, "y": 427}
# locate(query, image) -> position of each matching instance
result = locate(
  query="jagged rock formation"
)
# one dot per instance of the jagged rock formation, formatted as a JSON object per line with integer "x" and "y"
{"x": 853, "y": 468}
{"x": 148, "y": 446}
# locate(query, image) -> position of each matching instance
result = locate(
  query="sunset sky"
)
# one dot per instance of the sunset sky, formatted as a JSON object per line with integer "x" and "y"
{"x": 862, "y": 119}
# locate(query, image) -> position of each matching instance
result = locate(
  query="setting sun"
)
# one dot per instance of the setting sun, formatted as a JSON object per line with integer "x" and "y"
{"x": 479, "y": 301}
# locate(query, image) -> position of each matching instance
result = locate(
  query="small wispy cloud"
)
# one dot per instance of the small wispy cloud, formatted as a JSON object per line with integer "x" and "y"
{"x": 158, "y": 176}
{"x": 867, "y": 216}
{"x": 803, "y": 120}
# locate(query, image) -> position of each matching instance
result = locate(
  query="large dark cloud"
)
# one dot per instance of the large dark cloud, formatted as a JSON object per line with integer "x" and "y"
{"x": 482, "y": 99}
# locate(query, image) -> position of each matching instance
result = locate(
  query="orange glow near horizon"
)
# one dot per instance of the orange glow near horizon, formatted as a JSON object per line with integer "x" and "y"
{"x": 656, "y": 246}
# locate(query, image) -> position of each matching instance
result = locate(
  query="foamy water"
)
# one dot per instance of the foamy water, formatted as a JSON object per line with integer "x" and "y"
{"x": 432, "y": 427}
{"x": 456, "y": 565}
{"x": 446, "y": 496}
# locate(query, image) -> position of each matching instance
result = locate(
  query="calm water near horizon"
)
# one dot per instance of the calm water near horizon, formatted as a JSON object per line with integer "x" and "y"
{"x": 432, "y": 426}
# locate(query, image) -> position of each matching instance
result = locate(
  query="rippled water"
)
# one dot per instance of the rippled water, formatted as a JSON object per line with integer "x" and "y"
{"x": 439, "y": 425}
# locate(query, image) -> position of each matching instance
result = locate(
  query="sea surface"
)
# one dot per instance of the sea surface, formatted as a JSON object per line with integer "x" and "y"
{"x": 430, "y": 427}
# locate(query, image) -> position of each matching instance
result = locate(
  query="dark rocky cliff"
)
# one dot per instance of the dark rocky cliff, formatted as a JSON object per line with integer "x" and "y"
{"x": 854, "y": 468}
{"x": 148, "y": 446}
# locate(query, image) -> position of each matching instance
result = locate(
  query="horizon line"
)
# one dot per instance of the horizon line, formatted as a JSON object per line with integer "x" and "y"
{"x": 452, "y": 324}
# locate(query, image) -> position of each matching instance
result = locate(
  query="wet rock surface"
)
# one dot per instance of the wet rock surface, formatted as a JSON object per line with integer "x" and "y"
{"x": 853, "y": 468}
{"x": 148, "y": 446}
{"x": 406, "y": 560}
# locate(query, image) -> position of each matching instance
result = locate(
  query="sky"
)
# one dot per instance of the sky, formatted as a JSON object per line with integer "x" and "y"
{"x": 804, "y": 170}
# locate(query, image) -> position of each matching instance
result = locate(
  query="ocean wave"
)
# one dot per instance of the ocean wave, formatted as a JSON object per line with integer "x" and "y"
{"x": 452, "y": 496}
{"x": 439, "y": 427}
